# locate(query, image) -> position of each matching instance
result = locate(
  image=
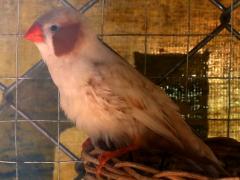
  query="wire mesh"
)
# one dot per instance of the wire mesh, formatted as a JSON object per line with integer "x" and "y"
{"x": 149, "y": 28}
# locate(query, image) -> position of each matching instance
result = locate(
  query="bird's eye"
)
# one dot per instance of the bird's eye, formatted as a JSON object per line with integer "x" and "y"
{"x": 54, "y": 28}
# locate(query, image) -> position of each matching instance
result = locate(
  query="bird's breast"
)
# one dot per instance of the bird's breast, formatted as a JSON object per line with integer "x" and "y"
{"x": 88, "y": 106}
{"x": 83, "y": 107}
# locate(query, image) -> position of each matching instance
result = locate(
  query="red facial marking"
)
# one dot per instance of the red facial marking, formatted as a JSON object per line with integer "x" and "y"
{"x": 35, "y": 33}
{"x": 65, "y": 39}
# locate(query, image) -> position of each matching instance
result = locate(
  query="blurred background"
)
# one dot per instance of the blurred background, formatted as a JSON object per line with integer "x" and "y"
{"x": 153, "y": 35}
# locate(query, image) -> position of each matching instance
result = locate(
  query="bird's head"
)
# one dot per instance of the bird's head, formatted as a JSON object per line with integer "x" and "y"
{"x": 58, "y": 32}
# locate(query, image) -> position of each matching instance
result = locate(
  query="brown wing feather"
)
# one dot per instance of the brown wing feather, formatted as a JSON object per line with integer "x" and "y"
{"x": 152, "y": 107}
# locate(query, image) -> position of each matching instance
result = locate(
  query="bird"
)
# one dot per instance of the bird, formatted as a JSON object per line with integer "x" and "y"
{"x": 107, "y": 97}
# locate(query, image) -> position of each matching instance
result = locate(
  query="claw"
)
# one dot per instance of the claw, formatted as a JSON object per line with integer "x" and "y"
{"x": 106, "y": 156}
{"x": 103, "y": 159}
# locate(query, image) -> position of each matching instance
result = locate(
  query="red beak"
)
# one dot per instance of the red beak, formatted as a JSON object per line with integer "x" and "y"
{"x": 35, "y": 33}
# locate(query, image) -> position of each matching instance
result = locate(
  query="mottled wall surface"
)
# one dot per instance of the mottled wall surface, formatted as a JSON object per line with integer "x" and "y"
{"x": 153, "y": 27}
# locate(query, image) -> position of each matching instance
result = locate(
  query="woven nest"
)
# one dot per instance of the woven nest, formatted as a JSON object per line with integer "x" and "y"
{"x": 140, "y": 165}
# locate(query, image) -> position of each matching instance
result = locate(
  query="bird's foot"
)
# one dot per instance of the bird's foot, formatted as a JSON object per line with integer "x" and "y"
{"x": 103, "y": 159}
{"x": 106, "y": 156}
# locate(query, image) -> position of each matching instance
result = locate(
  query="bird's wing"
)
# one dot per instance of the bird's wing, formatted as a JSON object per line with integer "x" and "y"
{"x": 149, "y": 105}
{"x": 146, "y": 102}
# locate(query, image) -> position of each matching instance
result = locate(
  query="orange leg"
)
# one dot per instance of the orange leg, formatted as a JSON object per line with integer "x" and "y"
{"x": 106, "y": 156}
